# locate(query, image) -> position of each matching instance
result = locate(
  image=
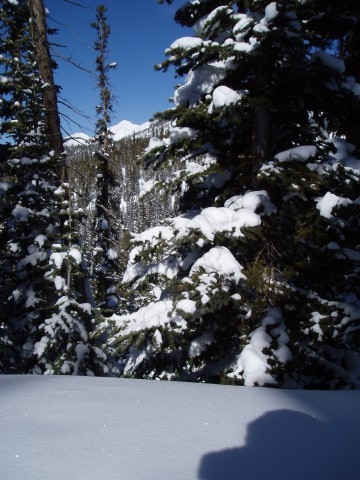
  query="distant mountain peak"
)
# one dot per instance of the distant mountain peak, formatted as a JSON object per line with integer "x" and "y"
{"x": 120, "y": 130}
{"x": 77, "y": 139}
{"x": 125, "y": 128}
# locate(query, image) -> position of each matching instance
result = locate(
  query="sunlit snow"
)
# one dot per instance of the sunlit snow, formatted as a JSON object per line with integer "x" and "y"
{"x": 62, "y": 428}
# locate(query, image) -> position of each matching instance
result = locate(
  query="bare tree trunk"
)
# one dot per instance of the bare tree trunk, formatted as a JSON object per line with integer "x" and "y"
{"x": 261, "y": 145}
{"x": 43, "y": 58}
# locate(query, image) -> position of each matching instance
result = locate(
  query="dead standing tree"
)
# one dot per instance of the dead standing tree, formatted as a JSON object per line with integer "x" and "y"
{"x": 52, "y": 118}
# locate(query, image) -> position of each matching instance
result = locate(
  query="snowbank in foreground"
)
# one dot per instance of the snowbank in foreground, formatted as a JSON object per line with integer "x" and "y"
{"x": 65, "y": 428}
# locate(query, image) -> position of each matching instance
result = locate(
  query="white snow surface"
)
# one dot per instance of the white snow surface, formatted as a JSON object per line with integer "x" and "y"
{"x": 212, "y": 220}
{"x": 224, "y": 96}
{"x": 219, "y": 260}
{"x": 62, "y": 428}
{"x": 186, "y": 43}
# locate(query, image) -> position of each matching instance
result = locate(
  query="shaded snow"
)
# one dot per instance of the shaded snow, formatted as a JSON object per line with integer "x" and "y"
{"x": 252, "y": 201}
{"x": 178, "y": 134}
{"x": 252, "y": 364}
{"x": 207, "y": 19}
{"x": 62, "y": 428}
{"x": 243, "y": 26}
{"x": 329, "y": 60}
{"x": 199, "y": 344}
{"x": 329, "y": 201}
{"x": 199, "y": 82}
{"x": 344, "y": 153}
{"x": 271, "y": 12}
{"x": 302, "y": 153}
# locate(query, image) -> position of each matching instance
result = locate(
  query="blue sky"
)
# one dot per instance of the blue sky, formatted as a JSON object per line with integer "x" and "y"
{"x": 140, "y": 32}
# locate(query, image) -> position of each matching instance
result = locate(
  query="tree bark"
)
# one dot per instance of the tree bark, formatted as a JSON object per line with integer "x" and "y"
{"x": 261, "y": 145}
{"x": 52, "y": 119}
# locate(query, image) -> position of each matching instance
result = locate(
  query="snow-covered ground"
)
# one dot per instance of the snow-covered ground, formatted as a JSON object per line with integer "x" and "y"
{"x": 81, "y": 428}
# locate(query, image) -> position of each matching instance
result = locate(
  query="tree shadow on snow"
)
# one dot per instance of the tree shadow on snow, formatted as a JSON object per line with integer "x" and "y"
{"x": 287, "y": 445}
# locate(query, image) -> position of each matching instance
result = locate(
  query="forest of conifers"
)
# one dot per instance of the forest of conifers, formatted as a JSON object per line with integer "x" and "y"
{"x": 220, "y": 245}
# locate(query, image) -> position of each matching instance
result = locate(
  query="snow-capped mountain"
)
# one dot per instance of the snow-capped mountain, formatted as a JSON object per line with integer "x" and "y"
{"x": 77, "y": 139}
{"x": 125, "y": 128}
{"x": 120, "y": 130}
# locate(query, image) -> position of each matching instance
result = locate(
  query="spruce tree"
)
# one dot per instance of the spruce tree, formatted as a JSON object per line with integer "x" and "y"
{"x": 105, "y": 249}
{"x": 41, "y": 315}
{"x": 28, "y": 214}
{"x": 234, "y": 289}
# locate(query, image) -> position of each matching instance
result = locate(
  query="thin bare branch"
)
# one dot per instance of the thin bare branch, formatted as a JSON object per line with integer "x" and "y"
{"x": 72, "y": 107}
{"x": 78, "y": 4}
{"x": 70, "y": 120}
{"x": 72, "y": 62}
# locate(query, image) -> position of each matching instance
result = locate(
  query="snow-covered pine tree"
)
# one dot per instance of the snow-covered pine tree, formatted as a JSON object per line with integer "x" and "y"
{"x": 43, "y": 321}
{"x": 28, "y": 218}
{"x": 105, "y": 276}
{"x": 257, "y": 282}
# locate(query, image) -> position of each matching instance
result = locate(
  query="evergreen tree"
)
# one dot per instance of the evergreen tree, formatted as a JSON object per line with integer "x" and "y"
{"x": 234, "y": 289}
{"x": 28, "y": 215}
{"x": 105, "y": 268}
{"x": 41, "y": 317}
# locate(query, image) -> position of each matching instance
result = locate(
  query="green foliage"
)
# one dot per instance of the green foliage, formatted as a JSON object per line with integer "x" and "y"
{"x": 300, "y": 258}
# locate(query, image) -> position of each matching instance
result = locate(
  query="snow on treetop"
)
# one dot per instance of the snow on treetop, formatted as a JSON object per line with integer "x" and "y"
{"x": 200, "y": 82}
{"x": 252, "y": 201}
{"x": 238, "y": 213}
{"x": 181, "y": 133}
{"x": 243, "y": 26}
{"x": 246, "y": 47}
{"x": 186, "y": 43}
{"x": 200, "y": 25}
{"x": 221, "y": 261}
{"x": 224, "y": 96}
{"x": 155, "y": 314}
{"x": 212, "y": 220}
{"x": 155, "y": 142}
{"x": 329, "y": 201}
